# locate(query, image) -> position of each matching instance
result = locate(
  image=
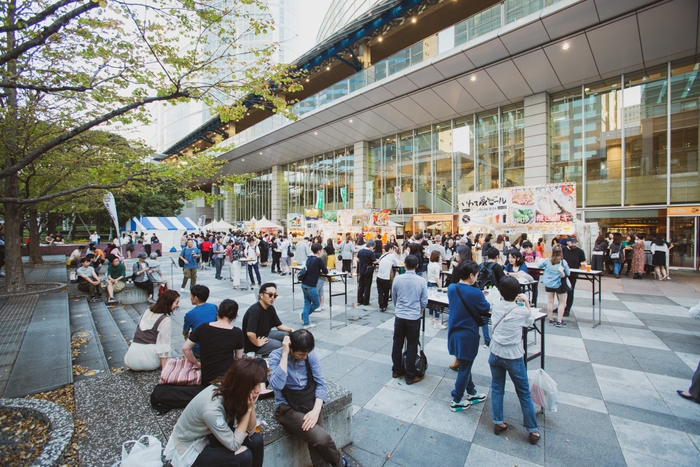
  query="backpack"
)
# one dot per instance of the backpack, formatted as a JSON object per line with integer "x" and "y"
{"x": 486, "y": 277}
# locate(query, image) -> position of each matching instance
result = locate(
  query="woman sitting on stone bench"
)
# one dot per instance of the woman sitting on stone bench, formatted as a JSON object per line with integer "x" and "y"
{"x": 150, "y": 347}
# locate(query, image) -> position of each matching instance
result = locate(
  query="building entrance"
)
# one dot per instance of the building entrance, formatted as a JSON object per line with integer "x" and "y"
{"x": 684, "y": 233}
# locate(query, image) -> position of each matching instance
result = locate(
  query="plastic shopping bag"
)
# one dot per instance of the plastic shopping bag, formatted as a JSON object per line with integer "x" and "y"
{"x": 142, "y": 455}
{"x": 543, "y": 389}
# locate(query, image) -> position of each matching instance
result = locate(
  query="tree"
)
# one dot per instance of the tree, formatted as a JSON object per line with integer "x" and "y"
{"x": 69, "y": 66}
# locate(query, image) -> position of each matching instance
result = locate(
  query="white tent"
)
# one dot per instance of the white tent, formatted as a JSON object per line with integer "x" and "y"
{"x": 218, "y": 226}
{"x": 263, "y": 223}
{"x": 168, "y": 229}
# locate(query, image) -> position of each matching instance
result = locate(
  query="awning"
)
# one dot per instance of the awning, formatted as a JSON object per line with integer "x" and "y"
{"x": 160, "y": 223}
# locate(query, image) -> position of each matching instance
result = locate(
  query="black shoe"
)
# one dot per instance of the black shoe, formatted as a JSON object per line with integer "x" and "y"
{"x": 560, "y": 324}
{"x": 566, "y": 313}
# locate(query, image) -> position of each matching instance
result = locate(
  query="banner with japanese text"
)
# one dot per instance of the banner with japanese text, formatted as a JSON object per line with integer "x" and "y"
{"x": 543, "y": 208}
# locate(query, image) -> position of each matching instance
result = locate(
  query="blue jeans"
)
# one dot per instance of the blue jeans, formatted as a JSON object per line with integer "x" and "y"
{"x": 464, "y": 380}
{"x": 254, "y": 267}
{"x": 617, "y": 267}
{"x": 311, "y": 301}
{"x": 218, "y": 262}
{"x": 485, "y": 330}
{"x": 518, "y": 374}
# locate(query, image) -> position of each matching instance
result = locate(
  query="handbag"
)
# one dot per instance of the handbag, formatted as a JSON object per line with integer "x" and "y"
{"x": 479, "y": 320}
{"x": 289, "y": 251}
{"x": 142, "y": 455}
{"x": 302, "y": 400}
{"x": 302, "y": 274}
{"x": 421, "y": 361}
{"x": 180, "y": 372}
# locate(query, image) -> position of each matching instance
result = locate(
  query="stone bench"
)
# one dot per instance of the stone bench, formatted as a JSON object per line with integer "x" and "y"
{"x": 128, "y": 392}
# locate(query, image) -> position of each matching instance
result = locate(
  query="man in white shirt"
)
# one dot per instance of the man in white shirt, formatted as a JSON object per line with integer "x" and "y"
{"x": 285, "y": 260}
{"x": 386, "y": 262}
{"x": 94, "y": 238}
{"x": 302, "y": 252}
{"x": 437, "y": 246}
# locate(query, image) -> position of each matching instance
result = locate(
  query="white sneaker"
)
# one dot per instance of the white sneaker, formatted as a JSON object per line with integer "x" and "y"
{"x": 309, "y": 326}
{"x": 182, "y": 289}
{"x": 476, "y": 398}
{"x": 318, "y": 309}
{"x": 301, "y": 318}
{"x": 437, "y": 325}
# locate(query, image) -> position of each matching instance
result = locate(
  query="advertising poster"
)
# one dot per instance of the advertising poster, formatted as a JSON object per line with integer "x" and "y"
{"x": 397, "y": 198}
{"x": 345, "y": 217}
{"x": 330, "y": 217}
{"x": 541, "y": 208}
{"x": 312, "y": 214}
{"x": 380, "y": 217}
{"x": 295, "y": 220}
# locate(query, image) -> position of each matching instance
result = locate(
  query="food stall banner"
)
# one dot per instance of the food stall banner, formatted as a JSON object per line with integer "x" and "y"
{"x": 312, "y": 214}
{"x": 331, "y": 217}
{"x": 545, "y": 208}
{"x": 319, "y": 202}
{"x": 295, "y": 220}
{"x": 380, "y": 217}
{"x": 369, "y": 193}
{"x": 343, "y": 196}
{"x": 345, "y": 217}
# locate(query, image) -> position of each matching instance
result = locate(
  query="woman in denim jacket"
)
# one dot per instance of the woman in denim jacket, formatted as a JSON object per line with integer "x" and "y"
{"x": 554, "y": 274}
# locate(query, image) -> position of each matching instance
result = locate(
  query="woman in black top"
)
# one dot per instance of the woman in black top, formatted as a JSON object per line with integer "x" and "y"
{"x": 220, "y": 344}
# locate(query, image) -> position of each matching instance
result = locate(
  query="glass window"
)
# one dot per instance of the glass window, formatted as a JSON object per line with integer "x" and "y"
{"x": 516, "y": 9}
{"x": 487, "y": 143}
{"x": 424, "y": 175}
{"x": 398, "y": 62}
{"x": 349, "y": 156}
{"x": 603, "y": 144}
{"x": 685, "y": 134}
{"x": 513, "y": 127}
{"x": 390, "y": 175}
{"x": 463, "y": 149}
{"x": 407, "y": 173}
{"x": 566, "y": 157}
{"x": 644, "y": 103}
{"x": 442, "y": 141}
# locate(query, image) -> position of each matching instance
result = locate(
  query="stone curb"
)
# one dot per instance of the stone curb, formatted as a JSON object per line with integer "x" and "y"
{"x": 61, "y": 425}
{"x": 56, "y": 286}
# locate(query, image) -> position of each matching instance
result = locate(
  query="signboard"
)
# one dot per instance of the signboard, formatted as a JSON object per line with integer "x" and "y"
{"x": 312, "y": 214}
{"x": 545, "y": 208}
{"x": 319, "y": 196}
{"x": 684, "y": 211}
{"x": 295, "y": 220}
{"x": 369, "y": 193}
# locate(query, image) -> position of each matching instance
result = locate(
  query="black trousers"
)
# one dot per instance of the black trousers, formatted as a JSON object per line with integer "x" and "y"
{"x": 276, "y": 262}
{"x": 145, "y": 285}
{"x": 405, "y": 330}
{"x": 364, "y": 288}
{"x": 573, "y": 277}
{"x": 216, "y": 455}
{"x": 347, "y": 265}
{"x": 383, "y": 289}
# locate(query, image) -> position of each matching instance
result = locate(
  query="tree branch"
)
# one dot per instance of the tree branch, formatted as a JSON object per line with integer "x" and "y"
{"x": 53, "y": 28}
{"x": 39, "y": 17}
{"x": 91, "y": 186}
{"x": 43, "y": 149}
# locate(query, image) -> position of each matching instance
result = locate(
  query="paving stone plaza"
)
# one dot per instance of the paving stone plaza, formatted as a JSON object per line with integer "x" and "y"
{"x": 617, "y": 383}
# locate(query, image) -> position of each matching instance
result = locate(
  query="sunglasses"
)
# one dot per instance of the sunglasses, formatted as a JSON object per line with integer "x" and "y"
{"x": 271, "y": 295}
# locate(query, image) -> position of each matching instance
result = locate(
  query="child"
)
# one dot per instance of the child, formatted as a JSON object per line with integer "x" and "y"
{"x": 530, "y": 255}
{"x": 433, "y": 277}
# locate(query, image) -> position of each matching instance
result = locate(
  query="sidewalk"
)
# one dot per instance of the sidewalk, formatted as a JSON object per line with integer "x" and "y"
{"x": 617, "y": 382}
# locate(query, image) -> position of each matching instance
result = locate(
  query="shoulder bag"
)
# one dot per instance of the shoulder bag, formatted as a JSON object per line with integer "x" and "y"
{"x": 302, "y": 400}
{"x": 180, "y": 372}
{"x": 479, "y": 320}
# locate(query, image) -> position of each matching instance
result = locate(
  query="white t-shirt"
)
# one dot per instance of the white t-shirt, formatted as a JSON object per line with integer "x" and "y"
{"x": 433, "y": 272}
{"x": 386, "y": 262}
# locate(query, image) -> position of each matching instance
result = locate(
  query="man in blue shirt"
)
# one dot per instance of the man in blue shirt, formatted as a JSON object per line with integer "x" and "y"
{"x": 410, "y": 295}
{"x": 189, "y": 256}
{"x": 314, "y": 269}
{"x": 300, "y": 392}
{"x": 202, "y": 312}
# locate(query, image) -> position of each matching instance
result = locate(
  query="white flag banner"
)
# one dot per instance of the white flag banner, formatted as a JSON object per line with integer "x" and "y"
{"x": 112, "y": 210}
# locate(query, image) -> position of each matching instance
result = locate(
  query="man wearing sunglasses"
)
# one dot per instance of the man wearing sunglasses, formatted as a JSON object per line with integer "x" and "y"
{"x": 263, "y": 328}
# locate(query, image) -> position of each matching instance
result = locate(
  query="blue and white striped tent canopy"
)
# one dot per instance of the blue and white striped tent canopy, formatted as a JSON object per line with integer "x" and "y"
{"x": 160, "y": 223}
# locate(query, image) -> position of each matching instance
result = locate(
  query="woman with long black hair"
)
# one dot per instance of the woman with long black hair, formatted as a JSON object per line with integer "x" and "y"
{"x": 218, "y": 426}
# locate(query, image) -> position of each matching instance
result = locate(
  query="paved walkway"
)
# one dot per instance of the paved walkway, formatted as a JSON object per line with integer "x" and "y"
{"x": 617, "y": 382}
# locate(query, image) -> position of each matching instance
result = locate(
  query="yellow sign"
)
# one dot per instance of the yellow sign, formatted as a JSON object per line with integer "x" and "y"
{"x": 684, "y": 211}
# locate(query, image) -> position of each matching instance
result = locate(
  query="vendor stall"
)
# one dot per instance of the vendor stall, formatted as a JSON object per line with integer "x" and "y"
{"x": 169, "y": 230}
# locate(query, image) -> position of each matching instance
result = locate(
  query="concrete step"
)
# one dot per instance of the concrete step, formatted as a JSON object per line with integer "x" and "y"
{"x": 90, "y": 353}
{"x": 44, "y": 359}
{"x": 113, "y": 342}
{"x": 133, "y": 312}
{"x": 124, "y": 322}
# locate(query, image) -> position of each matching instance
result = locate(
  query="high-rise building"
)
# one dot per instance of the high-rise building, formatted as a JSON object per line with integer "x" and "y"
{"x": 340, "y": 13}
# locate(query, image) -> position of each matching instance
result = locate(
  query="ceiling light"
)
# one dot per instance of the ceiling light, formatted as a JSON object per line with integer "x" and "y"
{"x": 473, "y": 78}
{"x": 242, "y": 160}
{"x": 307, "y": 80}
{"x": 587, "y": 89}
{"x": 565, "y": 46}
{"x": 261, "y": 154}
{"x": 328, "y": 68}
{"x": 413, "y": 20}
{"x": 351, "y": 120}
{"x": 380, "y": 38}
{"x": 315, "y": 132}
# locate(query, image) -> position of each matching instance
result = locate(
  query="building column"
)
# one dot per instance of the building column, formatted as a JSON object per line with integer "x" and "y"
{"x": 278, "y": 206}
{"x": 361, "y": 174}
{"x": 537, "y": 139}
{"x": 228, "y": 205}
